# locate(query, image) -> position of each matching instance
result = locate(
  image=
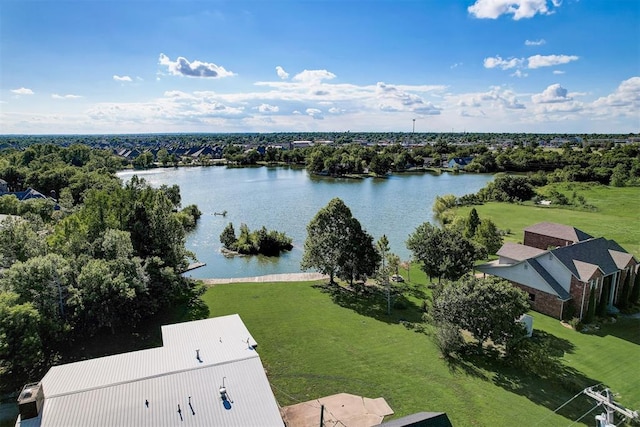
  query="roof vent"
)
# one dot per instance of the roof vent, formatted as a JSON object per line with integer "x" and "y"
{"x": 30, "y": 401}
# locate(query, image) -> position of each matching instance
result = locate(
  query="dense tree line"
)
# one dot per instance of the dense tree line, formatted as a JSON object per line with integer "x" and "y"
{"x": 111, "y": 256}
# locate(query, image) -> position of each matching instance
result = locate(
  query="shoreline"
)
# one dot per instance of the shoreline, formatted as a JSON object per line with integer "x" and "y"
{"x": 268, "y": 278}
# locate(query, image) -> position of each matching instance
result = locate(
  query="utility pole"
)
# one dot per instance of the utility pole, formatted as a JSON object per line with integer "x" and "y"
{"x": 605, "y": 398}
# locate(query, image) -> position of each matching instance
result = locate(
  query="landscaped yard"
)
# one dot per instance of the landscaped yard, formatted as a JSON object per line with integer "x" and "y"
{"x": 617, "y": 214}
{"x": 313, "y": 344}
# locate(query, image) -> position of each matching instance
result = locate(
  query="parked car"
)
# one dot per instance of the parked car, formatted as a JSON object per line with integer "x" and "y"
{"x": 397, "y": 278}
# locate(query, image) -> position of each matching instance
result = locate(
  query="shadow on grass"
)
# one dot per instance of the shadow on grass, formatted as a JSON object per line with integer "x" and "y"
{"x": 371, "y": 301}
{"x": 535, "y": 371}
{"x": 625, "y": 328}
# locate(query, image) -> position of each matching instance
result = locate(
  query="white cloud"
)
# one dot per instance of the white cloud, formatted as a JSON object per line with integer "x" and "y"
{"x": 282, "y": 73}
{"x": 121, "y": 78}
{"x": 558, "y": 72}
{"x": 537, "y": 61}
{"x": 534, "y": 42}
{"x": 395, "y": 98}
{"x": 69, "y": 96}
{"x": 627, "y": 94}
{"x": 314, "y": 76}
{"x": 552, "y": 94}
{"x": 182, "y": 67}
{"x": 505, "y": 64}
{"x": 315, "y": 113}
{"x": 22, "y": 91}
{"x": 492, "y": 9}
{"x": 335, "y": 110}
{"x": 266, "y": 108}
{"x": 456, "y": 65}
{"x": 519, "y": 73}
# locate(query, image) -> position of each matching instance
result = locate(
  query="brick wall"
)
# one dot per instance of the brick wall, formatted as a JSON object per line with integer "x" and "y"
{"x": 544, "y": 303}
{"x": 576, "y": 290}
{"x": 543, "y": 242}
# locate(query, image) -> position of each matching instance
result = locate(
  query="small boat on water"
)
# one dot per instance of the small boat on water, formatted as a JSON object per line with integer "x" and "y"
{"x": 223, "y": 213}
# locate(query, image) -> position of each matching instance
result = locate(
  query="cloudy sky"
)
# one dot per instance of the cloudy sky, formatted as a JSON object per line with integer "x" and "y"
{"x": 93, "y": 66}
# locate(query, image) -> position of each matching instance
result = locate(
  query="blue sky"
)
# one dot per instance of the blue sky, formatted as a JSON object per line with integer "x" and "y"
{"x": 92, "y": 66}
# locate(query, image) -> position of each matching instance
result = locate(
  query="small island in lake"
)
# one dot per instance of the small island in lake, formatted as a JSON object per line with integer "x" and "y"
{"x": 259, "y": 242}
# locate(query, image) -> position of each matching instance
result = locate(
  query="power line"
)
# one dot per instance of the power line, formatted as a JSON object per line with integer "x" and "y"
{"x": 585, "y": 414}
{"x": 559, "y": 407}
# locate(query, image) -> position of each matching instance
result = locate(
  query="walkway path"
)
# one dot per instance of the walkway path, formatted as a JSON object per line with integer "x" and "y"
{"x": 287, "y": 277}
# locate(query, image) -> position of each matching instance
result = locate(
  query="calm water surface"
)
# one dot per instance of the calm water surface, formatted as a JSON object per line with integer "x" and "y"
{"x": 286, "y": 199}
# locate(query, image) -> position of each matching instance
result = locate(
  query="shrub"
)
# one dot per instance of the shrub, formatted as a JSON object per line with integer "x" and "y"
{"x": 449, "y": 339}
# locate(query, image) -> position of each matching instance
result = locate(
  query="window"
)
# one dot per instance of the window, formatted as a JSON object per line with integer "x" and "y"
{"x": 532, "y": 297}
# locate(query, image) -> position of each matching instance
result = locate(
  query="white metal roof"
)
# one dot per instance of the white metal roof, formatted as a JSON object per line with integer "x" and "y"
{"x": 111, "y": 391}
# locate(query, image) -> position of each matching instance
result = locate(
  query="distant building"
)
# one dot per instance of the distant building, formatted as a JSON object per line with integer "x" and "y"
{"x": 207, "y": 373}
{"x": 4, "y": 187}
{"x": 459, "y": 162}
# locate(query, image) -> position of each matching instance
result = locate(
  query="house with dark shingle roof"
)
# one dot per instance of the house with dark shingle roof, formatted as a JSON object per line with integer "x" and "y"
{"x": 560, "y": 266}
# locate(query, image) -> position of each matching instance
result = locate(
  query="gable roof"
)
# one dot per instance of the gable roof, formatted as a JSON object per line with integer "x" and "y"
{"x": 197, "y": 358}
{"x": 560, "y": 231}
{"x": 593, "y": 251}
{"x": 518, "y": 251}
{"x": 557, "y": 288}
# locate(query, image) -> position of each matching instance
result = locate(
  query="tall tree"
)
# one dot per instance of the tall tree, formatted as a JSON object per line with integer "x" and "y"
{"x": 336, "y": 243}
{"x": 489, "y": 236}
{"x": 20, "y": 344}
{"x": 488, "y": 308}
{"x": 443, "y": 253}
{"x": 472, "y": 223}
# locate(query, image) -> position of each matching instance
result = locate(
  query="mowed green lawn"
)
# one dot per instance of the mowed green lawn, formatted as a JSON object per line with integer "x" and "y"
{"x": 617, "y": 214}
{"x": 313, "y": 346}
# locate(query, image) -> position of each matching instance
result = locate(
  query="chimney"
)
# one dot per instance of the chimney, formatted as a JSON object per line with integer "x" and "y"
{"x": 30, "y": 401}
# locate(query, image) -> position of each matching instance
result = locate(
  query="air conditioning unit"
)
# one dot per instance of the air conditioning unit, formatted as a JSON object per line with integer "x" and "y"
{"x": 30, "y": 401}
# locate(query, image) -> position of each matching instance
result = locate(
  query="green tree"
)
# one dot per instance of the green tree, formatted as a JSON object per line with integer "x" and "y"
{"x": 43, "y": 281}
{"x": 472, "y": 223}
{"x": 489, "y": 236}
{"x": 228, "y": 237}
{"x": 108, "y": 293}
{"x": 443, "y": 253}
{"x": 20, "y": 344}
{"x": 487, "y": 308}
{"x": 333, "y": 236}
{"x": 19, "y": 241}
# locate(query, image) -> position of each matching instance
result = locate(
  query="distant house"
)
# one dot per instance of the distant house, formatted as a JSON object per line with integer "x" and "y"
{"x": 28, "y": 194}
{"x": 459, "y": 162}
{"x": 301, "y": 144}
{"x": 4, "y": 186}
{"x": 559, "y": 266}
{"x": 207, "y": 373}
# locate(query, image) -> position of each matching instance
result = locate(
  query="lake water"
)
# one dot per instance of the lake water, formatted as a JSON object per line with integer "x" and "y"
{"x": 286, "y": 199}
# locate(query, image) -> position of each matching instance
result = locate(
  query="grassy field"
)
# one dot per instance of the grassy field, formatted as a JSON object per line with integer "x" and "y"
{"x": 617, "y": 214}
{"x": 315, "y": 343}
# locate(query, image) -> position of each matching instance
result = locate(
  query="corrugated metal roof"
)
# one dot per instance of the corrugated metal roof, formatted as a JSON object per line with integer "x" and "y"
{"x": 250, "y": 400}
{"x": 112, "y": 390}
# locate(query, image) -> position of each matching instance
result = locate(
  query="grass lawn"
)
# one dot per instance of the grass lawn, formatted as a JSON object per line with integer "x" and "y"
{"x": 617, "y": 214}
{"x": 313, "y": 344}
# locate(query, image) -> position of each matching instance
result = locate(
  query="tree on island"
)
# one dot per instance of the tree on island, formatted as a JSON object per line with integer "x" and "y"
{"x": 337, "y": 245}
{"x": 259, "y": 242}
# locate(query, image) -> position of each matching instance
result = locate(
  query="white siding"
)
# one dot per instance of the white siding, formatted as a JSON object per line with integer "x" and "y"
{"x": 520, "y": 273}
{"x": 556, "y": 269}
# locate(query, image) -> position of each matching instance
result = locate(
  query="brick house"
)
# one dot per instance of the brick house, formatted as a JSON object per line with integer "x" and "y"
{"x": 559, "y": 266}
